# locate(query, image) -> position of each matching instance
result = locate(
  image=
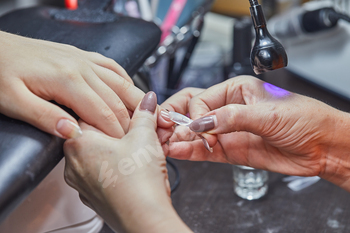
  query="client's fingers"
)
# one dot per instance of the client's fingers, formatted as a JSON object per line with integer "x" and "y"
{"x": 26, "y": 106}
{"x": 127, "y": 92}
{"x": 110, "y": 98}
{"x": 108, "y": 63}
{"x": 89, "y": 106}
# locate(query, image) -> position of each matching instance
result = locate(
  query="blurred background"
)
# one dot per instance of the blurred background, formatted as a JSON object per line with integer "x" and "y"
{"x": 222, "y": 50}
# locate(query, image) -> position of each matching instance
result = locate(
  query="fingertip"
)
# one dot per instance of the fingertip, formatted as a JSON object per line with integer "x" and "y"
{"x": 164, "y": 119}
{"x": 149, "y": 102}
{"x": 145, "y": 114}
{"x": 67, "y": 129}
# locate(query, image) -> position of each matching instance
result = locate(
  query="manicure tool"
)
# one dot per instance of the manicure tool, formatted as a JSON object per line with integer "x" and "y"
{"x": 145, "y": 9}
{"x": 154, "y": 7}
{"x": 297, "y": 183}
{"x": 171, "y": 17}
{"x": 185, "y": 121}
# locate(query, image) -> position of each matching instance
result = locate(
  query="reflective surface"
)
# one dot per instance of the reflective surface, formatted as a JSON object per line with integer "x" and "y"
{"x": 249, "y": 183}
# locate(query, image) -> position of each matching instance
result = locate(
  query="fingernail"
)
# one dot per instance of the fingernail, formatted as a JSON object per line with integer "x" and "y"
{"x": 165, "y": 115}
{"x": 203, "y": 124}
{"x": 68, "y": 129}
{"x": 149, "y": 102}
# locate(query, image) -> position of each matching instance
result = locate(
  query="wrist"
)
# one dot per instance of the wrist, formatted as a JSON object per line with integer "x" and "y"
{"x": 151, "y": 211}
{"x": 337, "y": 152}
{"x": 161, "y": 219}
{"x": 153, "y": 217}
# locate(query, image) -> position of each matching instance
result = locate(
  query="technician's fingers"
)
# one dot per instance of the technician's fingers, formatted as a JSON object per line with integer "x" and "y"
{"x": 178, "y": 103}
{"x": 107, "y": 63}
{"x": 239, "y": 90}
{"x": 127, "y": 92}
{"x": 110, "y": 98}
{"x": 194, "y": 151}
{"x": 212, "y": 98}
{"x": 144, "y": 120}
{"x": 184, "y": 134}
{"x": 24, "y": 105}
{"x": 234, "y": 117}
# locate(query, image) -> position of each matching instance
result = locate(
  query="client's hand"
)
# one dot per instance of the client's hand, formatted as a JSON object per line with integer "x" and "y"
{"x": 125, "y": 180}
{"x": 263, "y": 126}
{"x": 32, "y": 72}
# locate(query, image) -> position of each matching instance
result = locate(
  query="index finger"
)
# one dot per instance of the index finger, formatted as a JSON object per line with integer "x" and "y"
{"x": 108, "y": 63}
{"x": 217, "y": 96}
{"x": 179, "y": 102}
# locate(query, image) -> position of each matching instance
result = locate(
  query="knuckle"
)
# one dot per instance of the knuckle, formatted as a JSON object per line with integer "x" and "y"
{"x": 194, "y": 100}
{"x": 68, "y": 46}
{"x": 97, "y": 55}
{"x": 108, "y": 114}
{"x": 69, "y": 147}
{"x": 185, "y": 91}
{"x": 145, "y": 123}
{"x": 122, "y": 112}
{"x": 72, "y": 74}
{"x": 126, "y": 85}
{"x": 231, "y": 115}
{"x": 271, "y": 121}
{"x": 44, "y": 114}
{"x": 110, "y": 61}
{"x": 191, "y": 90}
{"x": 68, "y": 176}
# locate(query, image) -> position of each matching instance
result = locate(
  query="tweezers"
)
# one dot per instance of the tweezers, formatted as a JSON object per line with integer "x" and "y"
{"x": 185, "y": 121}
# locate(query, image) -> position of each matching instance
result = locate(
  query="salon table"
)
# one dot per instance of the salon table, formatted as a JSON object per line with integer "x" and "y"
{"x": 207, "y": 204}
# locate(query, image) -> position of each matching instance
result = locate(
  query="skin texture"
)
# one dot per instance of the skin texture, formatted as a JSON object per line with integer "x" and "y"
{"x": 33, "y": 72}
{"x": 256, "y": 124}
{"x": 262, "y": 126}
{"x": 139, "y": 200}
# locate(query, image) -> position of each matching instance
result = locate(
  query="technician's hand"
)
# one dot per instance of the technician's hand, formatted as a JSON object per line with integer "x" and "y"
{"x": 263, "y": 126}
{"x": 125, "y": 180}
{"x": 32, "y": 72}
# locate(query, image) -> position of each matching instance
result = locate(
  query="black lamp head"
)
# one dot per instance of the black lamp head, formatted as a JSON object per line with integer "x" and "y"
{"x": 267, "y": 53}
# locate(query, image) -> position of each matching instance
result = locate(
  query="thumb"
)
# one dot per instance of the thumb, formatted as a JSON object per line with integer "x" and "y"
{"x": 145, "y": 116}
{"x": 232, "y": 118}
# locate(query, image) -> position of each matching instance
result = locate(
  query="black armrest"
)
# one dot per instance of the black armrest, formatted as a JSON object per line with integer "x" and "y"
{"x": 27, "y": 154}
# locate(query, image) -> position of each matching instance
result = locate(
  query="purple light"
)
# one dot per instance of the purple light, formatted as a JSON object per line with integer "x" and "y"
{"x": 276, "y": 91}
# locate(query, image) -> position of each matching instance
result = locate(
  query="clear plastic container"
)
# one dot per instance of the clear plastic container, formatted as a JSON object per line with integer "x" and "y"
{"x": 249, "y": 183}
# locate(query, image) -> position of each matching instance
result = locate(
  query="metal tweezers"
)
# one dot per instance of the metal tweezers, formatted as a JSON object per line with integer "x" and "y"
{"x": 185, "y": 121}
